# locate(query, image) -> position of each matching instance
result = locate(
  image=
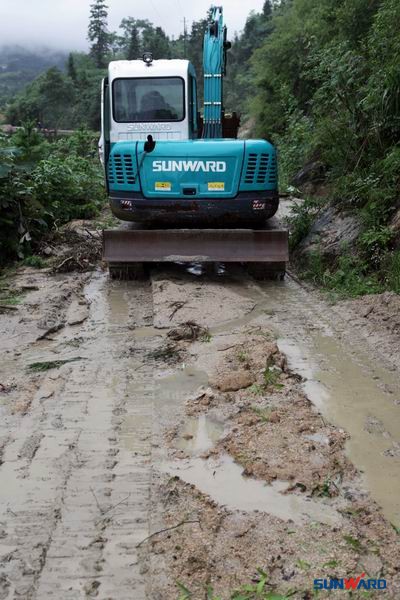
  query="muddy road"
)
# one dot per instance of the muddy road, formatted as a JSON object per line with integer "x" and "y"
{"x": 190, "y": 429}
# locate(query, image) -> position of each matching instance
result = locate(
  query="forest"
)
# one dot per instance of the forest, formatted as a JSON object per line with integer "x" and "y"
{"x": 319, "y": 78}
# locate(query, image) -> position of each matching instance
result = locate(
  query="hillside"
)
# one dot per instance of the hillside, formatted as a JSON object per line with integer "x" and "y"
{"x": 19, "y": 66}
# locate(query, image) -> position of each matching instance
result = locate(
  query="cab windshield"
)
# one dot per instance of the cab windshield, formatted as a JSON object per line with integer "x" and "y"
{"x": 148, "y": 99}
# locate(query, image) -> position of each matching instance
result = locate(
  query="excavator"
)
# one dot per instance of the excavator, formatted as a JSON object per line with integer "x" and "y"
{"x": 187, "y": 188}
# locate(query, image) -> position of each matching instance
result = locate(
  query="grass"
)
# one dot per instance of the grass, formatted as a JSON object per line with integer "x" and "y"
{"x": 10, "y": 297}
{"x": 41, "y": 366}
{"x": 108, "y": 222}
{"x": 396, "y": 528}
{"x": 331, "y": 564}
{"x": 242, "y": 356}
{"x": 392, "y": 271}
{"x": 349, "y": 278}
{"x": 303, "y": 564}
{"x": 300, "y": 222}
{"x": 263, "y": 413}
{"x": 252, "y": 591}
{"x": 353, "y": 542}
{"x": 370, "y": 266}
{"x": 271, "y": 377}
{"x": 206, "y": 337}
{"x": 257, "y": 389}
{"x": 35, "y": 261}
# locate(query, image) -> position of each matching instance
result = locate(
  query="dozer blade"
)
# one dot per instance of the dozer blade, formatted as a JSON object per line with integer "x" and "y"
{"x": 195, "y": 245}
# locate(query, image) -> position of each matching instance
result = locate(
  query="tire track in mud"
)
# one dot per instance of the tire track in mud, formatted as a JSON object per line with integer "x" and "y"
{"x": 76, "y": 470}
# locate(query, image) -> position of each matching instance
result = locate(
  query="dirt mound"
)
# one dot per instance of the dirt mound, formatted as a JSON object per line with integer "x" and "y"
{"x": 382, "y": 310}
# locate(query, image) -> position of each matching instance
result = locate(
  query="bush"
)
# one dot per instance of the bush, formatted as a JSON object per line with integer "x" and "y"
{"x": 303, "y": 216}
{"x": 67, "y": 188}
{"x": 392, "y": 271}
{"x": 45, "y": 185}
{"x": 348, "y": 278}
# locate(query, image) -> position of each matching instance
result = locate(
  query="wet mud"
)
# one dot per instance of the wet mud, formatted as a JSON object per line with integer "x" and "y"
{"x": 191, "y": 428}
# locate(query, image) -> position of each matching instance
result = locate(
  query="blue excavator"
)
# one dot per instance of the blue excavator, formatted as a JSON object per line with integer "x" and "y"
{"x": 190, "y": 189}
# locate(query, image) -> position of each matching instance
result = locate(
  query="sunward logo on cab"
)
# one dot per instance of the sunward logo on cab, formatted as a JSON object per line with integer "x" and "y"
{"x": 350, "y": 583}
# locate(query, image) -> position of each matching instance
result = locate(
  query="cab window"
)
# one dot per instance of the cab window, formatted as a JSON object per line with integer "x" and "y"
{"x": 148, "y": 99}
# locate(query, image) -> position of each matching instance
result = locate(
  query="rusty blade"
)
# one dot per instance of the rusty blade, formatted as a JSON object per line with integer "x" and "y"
{"x": 195, "y": 245}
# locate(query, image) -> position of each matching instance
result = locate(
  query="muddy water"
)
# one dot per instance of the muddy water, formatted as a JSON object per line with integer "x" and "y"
{"x": 349, "y": 395}
{"x": 175, "y": 387}
{"x": 343, "y": 382}
{"x": 200, "y": 434}
{"x": 222, "y": 479}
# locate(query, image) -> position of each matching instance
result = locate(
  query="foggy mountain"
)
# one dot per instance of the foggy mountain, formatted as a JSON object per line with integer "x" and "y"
{"x": 20, "y": 65}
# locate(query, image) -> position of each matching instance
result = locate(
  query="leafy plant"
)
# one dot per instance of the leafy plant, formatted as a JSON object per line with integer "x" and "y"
{"x": 303, "y": 216}
{"x": 43, "y": 189}
{"x": 35, "y": 261}
{"x": 271, "y": 377}
{"x": 242, "y": 356}
{"x": 185, "y": 593}
{"x": 263, "y": 413}
{"x": 258, "y": 591}
{"x": 353, "y": 542}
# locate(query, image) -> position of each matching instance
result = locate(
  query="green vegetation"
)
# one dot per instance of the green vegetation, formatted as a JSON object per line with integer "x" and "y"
{"x": 271, "y": 377}
{"x": 42, "y": 186}
{"x": 19, "y": 66}
{"x": 9, "y": 297}
{"x": 329, "y": 96}
{"x": 251, "y": 591}
{"x": 263, "y": 413}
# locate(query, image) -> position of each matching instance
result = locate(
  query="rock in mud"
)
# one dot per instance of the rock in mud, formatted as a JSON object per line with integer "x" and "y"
{"x": 330, "y": 232}
{"x": 231, "y": 382}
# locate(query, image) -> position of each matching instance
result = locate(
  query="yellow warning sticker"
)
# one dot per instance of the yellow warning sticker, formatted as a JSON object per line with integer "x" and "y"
{"x": 162, "y": 186}
{"x": 216, "y": 186}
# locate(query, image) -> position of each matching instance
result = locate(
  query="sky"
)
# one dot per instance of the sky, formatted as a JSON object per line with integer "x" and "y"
{"x": 62, "y": 24}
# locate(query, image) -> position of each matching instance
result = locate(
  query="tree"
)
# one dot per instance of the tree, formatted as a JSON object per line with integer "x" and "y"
{"x": 71, "y": 70}
{"x": 267, "y": 9}
{"x": 133, "y": 50}
{"x": 155, "y": 41}
{"x": 56, "y": 96}
{"x": 97, "y": 32}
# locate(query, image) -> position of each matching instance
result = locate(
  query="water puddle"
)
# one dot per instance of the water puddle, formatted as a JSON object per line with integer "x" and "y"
{"x": 146, "y": 331}
{"x": 199, "y": 434}
{"x": 342, "y": 381}
{"x": 222, "y": 479}
{"x": 176, "y": 387}
{"x": 348, "y": 394}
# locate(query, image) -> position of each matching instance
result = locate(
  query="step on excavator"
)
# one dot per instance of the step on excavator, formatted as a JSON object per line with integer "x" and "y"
{"x": 168, "y": 166}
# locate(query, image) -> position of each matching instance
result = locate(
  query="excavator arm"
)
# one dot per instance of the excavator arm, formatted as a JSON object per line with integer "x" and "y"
{"x": 215, "y": 47}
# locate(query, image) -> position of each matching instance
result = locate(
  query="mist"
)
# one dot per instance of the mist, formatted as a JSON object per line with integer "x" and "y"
{"x": 62, "y": 24}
